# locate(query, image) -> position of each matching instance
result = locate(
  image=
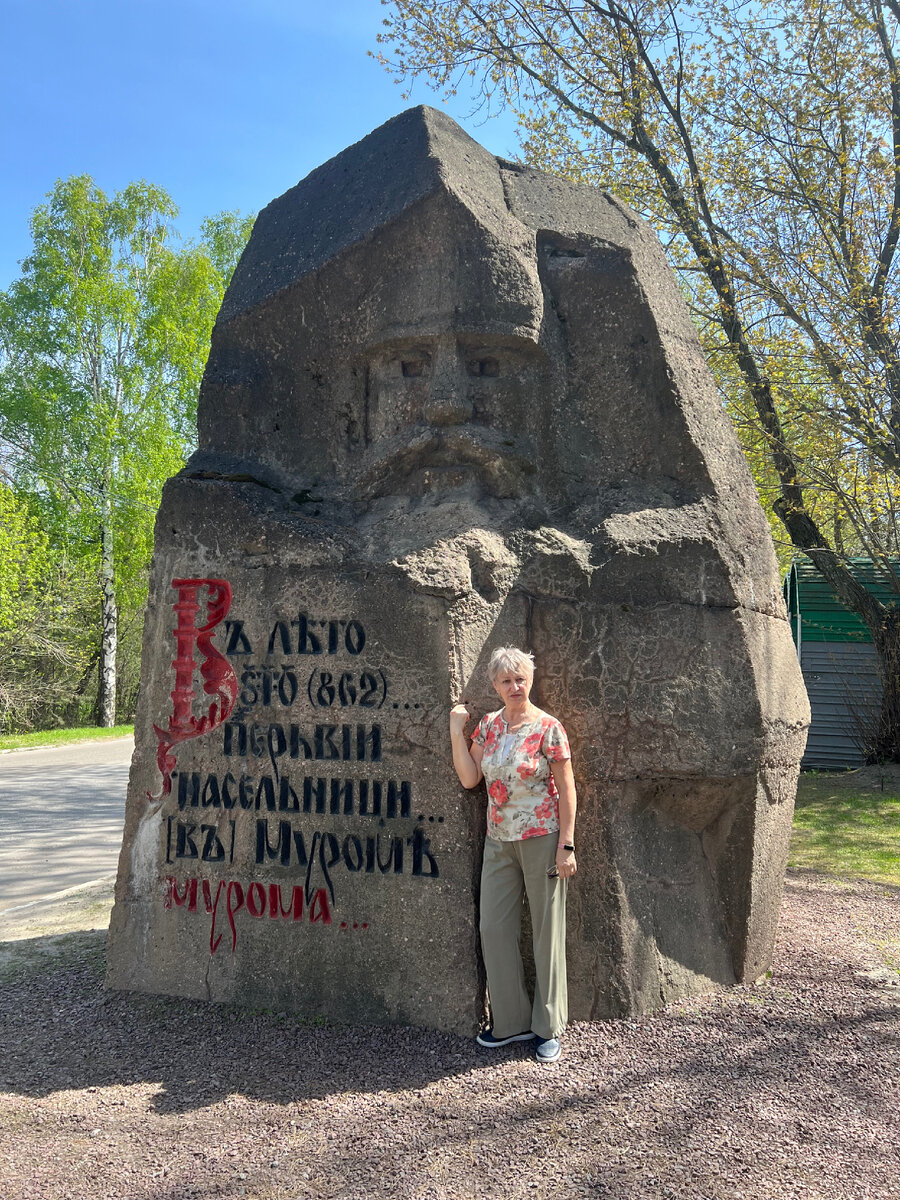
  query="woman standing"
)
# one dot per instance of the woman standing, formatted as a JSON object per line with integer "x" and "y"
{"x": 523, "y": 755}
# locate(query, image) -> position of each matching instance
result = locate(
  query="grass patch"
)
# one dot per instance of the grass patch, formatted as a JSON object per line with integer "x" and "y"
{"x": 889, "y": 951}
{"x": 63, "y": 951}
{"x": 62, "y": 737}
{"x": 848, "y": 827}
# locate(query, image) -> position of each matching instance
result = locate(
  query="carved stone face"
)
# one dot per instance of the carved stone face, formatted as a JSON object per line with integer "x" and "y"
{"x": 452, "y": 413}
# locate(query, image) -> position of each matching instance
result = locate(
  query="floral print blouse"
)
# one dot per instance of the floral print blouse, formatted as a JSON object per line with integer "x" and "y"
{"x": 522, "y": 798}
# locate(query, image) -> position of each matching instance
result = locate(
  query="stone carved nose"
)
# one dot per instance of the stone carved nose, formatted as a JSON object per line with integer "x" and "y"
{"x": 447, "y": 402}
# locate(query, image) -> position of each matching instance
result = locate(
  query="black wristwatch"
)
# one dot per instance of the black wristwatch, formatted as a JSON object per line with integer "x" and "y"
{"x": 566, "y": 846}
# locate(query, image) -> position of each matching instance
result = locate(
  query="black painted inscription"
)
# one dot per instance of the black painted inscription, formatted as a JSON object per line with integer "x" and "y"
{"x": 236, "y": 641}
{"x": 196, "y": 841}
{"x": 303, "y": 635}
{"x": 388, "y": 799}
{"x": 269, "y": 684}
{"x": 368, "y": 689}
{"x": 263, "y": 772}
{"x": 369, "y": 853}
{"x": 328, "y": 743}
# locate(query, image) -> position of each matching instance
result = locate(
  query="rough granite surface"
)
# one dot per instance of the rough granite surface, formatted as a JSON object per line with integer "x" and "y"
{"x": 452, "y": 403}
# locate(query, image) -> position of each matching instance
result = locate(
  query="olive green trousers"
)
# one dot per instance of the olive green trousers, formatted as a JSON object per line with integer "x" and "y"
{"x": 510, "y": 870}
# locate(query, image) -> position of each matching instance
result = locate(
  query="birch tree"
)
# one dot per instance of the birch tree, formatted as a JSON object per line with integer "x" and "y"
{"x": 103, "y": 340}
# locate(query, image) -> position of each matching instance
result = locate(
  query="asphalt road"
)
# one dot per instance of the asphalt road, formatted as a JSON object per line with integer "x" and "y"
{"x": 62, "y": 810}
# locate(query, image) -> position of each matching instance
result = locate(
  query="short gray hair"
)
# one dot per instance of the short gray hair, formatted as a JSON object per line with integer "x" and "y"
{"x": 510, "y": 658}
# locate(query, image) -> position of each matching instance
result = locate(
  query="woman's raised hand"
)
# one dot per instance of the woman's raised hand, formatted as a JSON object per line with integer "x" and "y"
{"x": 466, "y": 758}
{"x": 459, "y": 715}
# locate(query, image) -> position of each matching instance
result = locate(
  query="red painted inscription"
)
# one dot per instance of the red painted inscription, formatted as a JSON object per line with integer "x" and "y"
{"x": 219, "y": 679}
{"x": 259, "y": 900}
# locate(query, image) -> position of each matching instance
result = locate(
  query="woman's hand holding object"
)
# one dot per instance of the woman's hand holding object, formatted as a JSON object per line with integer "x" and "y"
{"x": 566, "y": 865}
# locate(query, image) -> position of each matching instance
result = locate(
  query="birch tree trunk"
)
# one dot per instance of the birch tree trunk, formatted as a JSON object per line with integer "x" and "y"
{"x": 109, "y": 633}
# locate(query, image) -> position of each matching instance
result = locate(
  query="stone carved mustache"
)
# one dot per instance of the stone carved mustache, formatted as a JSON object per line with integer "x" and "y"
{"x": 505, "y": 464}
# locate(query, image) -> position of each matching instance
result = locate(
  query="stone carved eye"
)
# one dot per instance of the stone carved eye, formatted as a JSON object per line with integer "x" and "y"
{"x": 413, "y": 368}
{"x": 484, "y": 367}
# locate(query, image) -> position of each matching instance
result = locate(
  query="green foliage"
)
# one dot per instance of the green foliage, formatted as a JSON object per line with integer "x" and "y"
{"x": 24, "y": 561}
{"x": 103, "y": 341}
{"x": 45, "y": 607}
{"x": 224, "y": 237}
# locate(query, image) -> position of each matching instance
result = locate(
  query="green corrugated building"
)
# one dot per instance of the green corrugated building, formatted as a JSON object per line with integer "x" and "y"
{"x": 838, "y": 661}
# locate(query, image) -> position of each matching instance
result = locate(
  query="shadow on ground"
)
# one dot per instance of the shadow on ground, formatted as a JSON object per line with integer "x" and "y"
{"x": 788, "y": 1088}
{"x": 60, "y": 1029}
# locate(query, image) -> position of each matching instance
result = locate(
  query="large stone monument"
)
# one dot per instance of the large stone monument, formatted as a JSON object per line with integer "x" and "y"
{"x": 452, "y": 403}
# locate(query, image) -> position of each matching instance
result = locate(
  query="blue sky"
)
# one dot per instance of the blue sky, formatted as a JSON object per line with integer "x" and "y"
{"x": 225, "y": 103}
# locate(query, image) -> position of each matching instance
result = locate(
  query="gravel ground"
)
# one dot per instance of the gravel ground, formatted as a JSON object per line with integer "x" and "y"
{"x": 785, "y": 1089}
